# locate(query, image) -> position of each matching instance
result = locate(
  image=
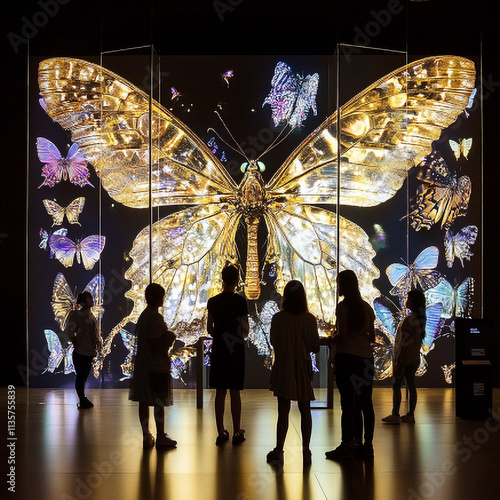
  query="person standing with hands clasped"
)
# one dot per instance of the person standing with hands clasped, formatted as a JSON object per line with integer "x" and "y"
{"x": 294, "y": 335}
{"x": 82, "y": 329}
{"x": 227, "y": 323}
{"x": 151, "y": 383}
{"x": 355, "y": 332}
{"x": 406, "y": 356}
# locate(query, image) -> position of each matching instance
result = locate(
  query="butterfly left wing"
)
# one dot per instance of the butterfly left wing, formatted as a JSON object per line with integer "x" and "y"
{"x": 55, "y": 211}
{"x": 302, "y": 244}
{"x": 96, "y": 289}
{"x": 383, "y": 132}
{"x": 63, "y": 300}
{"x": 109, "y": 118}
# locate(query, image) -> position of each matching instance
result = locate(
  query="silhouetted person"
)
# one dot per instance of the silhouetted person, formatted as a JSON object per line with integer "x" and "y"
{"x": 406, "y": 356}
{"x": 151, "y": 383}
{"x": 354, "y": 368}
{"x": 83, "y": 330}
{"x": 294, "y": 335}
{"x": 227, "y": 323}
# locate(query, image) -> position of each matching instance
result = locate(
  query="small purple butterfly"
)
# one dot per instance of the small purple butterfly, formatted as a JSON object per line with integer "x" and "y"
{"x": 227, "y": 75}
{"x": 175, "y": 93}
{"x": 74, "y": 166}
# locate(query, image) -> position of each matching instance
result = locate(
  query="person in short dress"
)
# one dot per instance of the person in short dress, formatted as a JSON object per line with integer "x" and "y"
{"x": 294, "y": 335}
{"x": 151, "y": 383}
{"x": 227, "y": 323}
{"x": 82, "y": 329}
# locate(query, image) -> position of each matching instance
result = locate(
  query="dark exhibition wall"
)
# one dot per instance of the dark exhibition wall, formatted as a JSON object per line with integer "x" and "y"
{"x": 349, "y": 44}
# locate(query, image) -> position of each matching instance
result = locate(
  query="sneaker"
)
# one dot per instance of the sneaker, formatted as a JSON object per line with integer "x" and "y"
{"x": 343, "y": 451}
{"x": 165, "y": 441}
{"x": 306, "y": 458}
{"x": 85, "y": 404}
{"x": 364, "y": 451}
{"x": 392, "y": 419}
{"x": 409, "y": 418}
{"x": 222, "y": 438}
{"x": 148, "y": 441}
{"x": 275, "y": 457}
{"x": 239, "y": 437}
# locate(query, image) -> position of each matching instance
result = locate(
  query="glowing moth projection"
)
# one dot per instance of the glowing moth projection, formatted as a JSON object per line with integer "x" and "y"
{"x": 366, "y": 151}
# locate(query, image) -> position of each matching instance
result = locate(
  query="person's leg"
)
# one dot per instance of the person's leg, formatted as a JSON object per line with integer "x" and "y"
{"x": 305, "y": 423}
{"x": 396, "y": 395}
{"x": 159, "y": 413}
{"x": 235, "y": 409}
{"x": 412, "y": 388}
{"x": 220, "y": 400}
{"x": 282, "y": 424}
{"x": 347, "y": 396}
{"x": 82, "y": 366}
{"x": 365, "y": 399}
{"x": 144, "y": 418}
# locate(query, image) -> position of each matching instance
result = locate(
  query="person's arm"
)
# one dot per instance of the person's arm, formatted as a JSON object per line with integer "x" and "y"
{"x": 70, "y": 329}
{"x": 340, "y": 327}
{"x": 210, "y": 324}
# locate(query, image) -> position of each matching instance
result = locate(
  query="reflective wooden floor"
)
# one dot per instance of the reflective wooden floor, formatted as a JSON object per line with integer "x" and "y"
{"x": 63, "y": 453}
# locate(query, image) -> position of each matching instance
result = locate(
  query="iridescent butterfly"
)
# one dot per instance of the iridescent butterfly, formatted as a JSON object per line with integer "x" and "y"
{"x": 383, "y": 131}
{"x": 386, "y": 325}
{"x": 58, "y": 352}
{"x": 461, "y": 148}
{"x": 129, "y": 341}
{"x": 175, "y": 94}
{"x": 44, "y": 238}
{"x": 73, "y": 167}
{"x": 422, "y": 272}
{"x": 87, "y": 250}
{"x": 291, "y": 96}
{"x": 63, "y": 300}
{"x": 212, "y": 144}
{"x": 441, "y": 196}
{"x": 448, "y": 372}
{"x": 457, "y": 302}
{"x": 72, "y": 211}
{"x": 470, "y": 103}
{"x": 379, "y": 238}
{"x": 260, "y": 327}
{"x": 227, "y": 75}
{"x": 458, "y": 245}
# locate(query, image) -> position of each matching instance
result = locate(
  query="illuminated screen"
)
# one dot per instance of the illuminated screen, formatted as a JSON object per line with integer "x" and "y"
{"x": 314, "y": 166}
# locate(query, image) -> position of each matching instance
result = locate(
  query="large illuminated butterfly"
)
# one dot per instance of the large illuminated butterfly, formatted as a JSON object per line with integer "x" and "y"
{"x": 457, "y": 301}
{"x": 383, "y": 131}
{"x": 458, "y": 245}
{"x": 63, "y": 300}
{"x": 441, "y": 196}
{"x": 58, "y": 352}
{"x": 461, "y": 148}
{"x": 386, "y": 326}
{"x": 87, "y": 250}
{"x": 422, "y": 272}
{"x": 291, "y": 96}
{"x": 73, "y": 167}
{"x": 72, "y": 211}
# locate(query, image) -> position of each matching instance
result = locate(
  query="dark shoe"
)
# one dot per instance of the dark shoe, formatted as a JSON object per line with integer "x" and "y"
{"x": 85, "y": 404}
{"x": 165, "y": 441}
{"x": 222, "y": 438}
{"x": 408, "y": 418}
{"x": 392, "y": 419}
{"x": 239, "y": 437}
{"x": 275, "y": 457}
{"x": 343, "y": 451}
{"x": 306, "y": 458}
{"x": 148, "y": 441}
{"x": 364, "y": 451}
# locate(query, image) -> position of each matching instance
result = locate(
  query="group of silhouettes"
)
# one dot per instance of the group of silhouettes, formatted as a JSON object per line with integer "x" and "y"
{"x": 293, "y": 336}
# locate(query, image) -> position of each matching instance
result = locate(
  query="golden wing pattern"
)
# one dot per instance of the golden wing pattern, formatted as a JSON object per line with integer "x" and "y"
{"x": 383, "y": 131}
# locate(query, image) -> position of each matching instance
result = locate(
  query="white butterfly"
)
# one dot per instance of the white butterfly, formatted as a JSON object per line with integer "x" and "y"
{"x": 458, "y": 245}
{"x": 59, "y": 351}
{"x": 462, "y": 147}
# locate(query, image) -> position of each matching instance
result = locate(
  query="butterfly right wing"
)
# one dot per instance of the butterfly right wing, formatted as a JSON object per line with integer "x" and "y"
{"x": 383, "y": 131}
{"x": 63, "y": 300}
{"x": 90, "y": 250}
{"x": 63, "y": 248}
{"x": 74, "y": 209}
{"x": 108, "y": 118}
{"x": 76, "y": 166}
{"x": 53, "y": 169}
{"x": 55, "y": 211}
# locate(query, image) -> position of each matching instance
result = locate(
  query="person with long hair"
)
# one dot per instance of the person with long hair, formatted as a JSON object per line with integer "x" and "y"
{"x": 151, "y": 383}
{"x": 294, "y": 335}
{"x": 355, "y": 332}
{"x": 82, "y": 329}
{"x": 227, "y": 323}
{"x": 406, "y": 356}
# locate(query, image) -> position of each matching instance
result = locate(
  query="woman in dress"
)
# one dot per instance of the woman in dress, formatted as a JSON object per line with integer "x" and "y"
{"x": 151, "y": 384}
{"x": 82, "y": 329}
{"x": 355, "y": 332}
{"x": 406, "y": 356}
{"x": 294, "y": 335}
{"x": 227, "y": 323}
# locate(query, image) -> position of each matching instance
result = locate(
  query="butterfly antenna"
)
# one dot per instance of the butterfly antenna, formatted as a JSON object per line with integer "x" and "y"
{"x": 239, "y": 150}
{"x": 276, "y": 142}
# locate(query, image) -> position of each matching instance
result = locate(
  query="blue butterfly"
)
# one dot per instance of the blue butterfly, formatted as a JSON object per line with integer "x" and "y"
{"x": 291, "y": 96}
{"x": 403, "y": 278}
{"x": 457, "y": 301}
{"x": 59, "y": 350}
